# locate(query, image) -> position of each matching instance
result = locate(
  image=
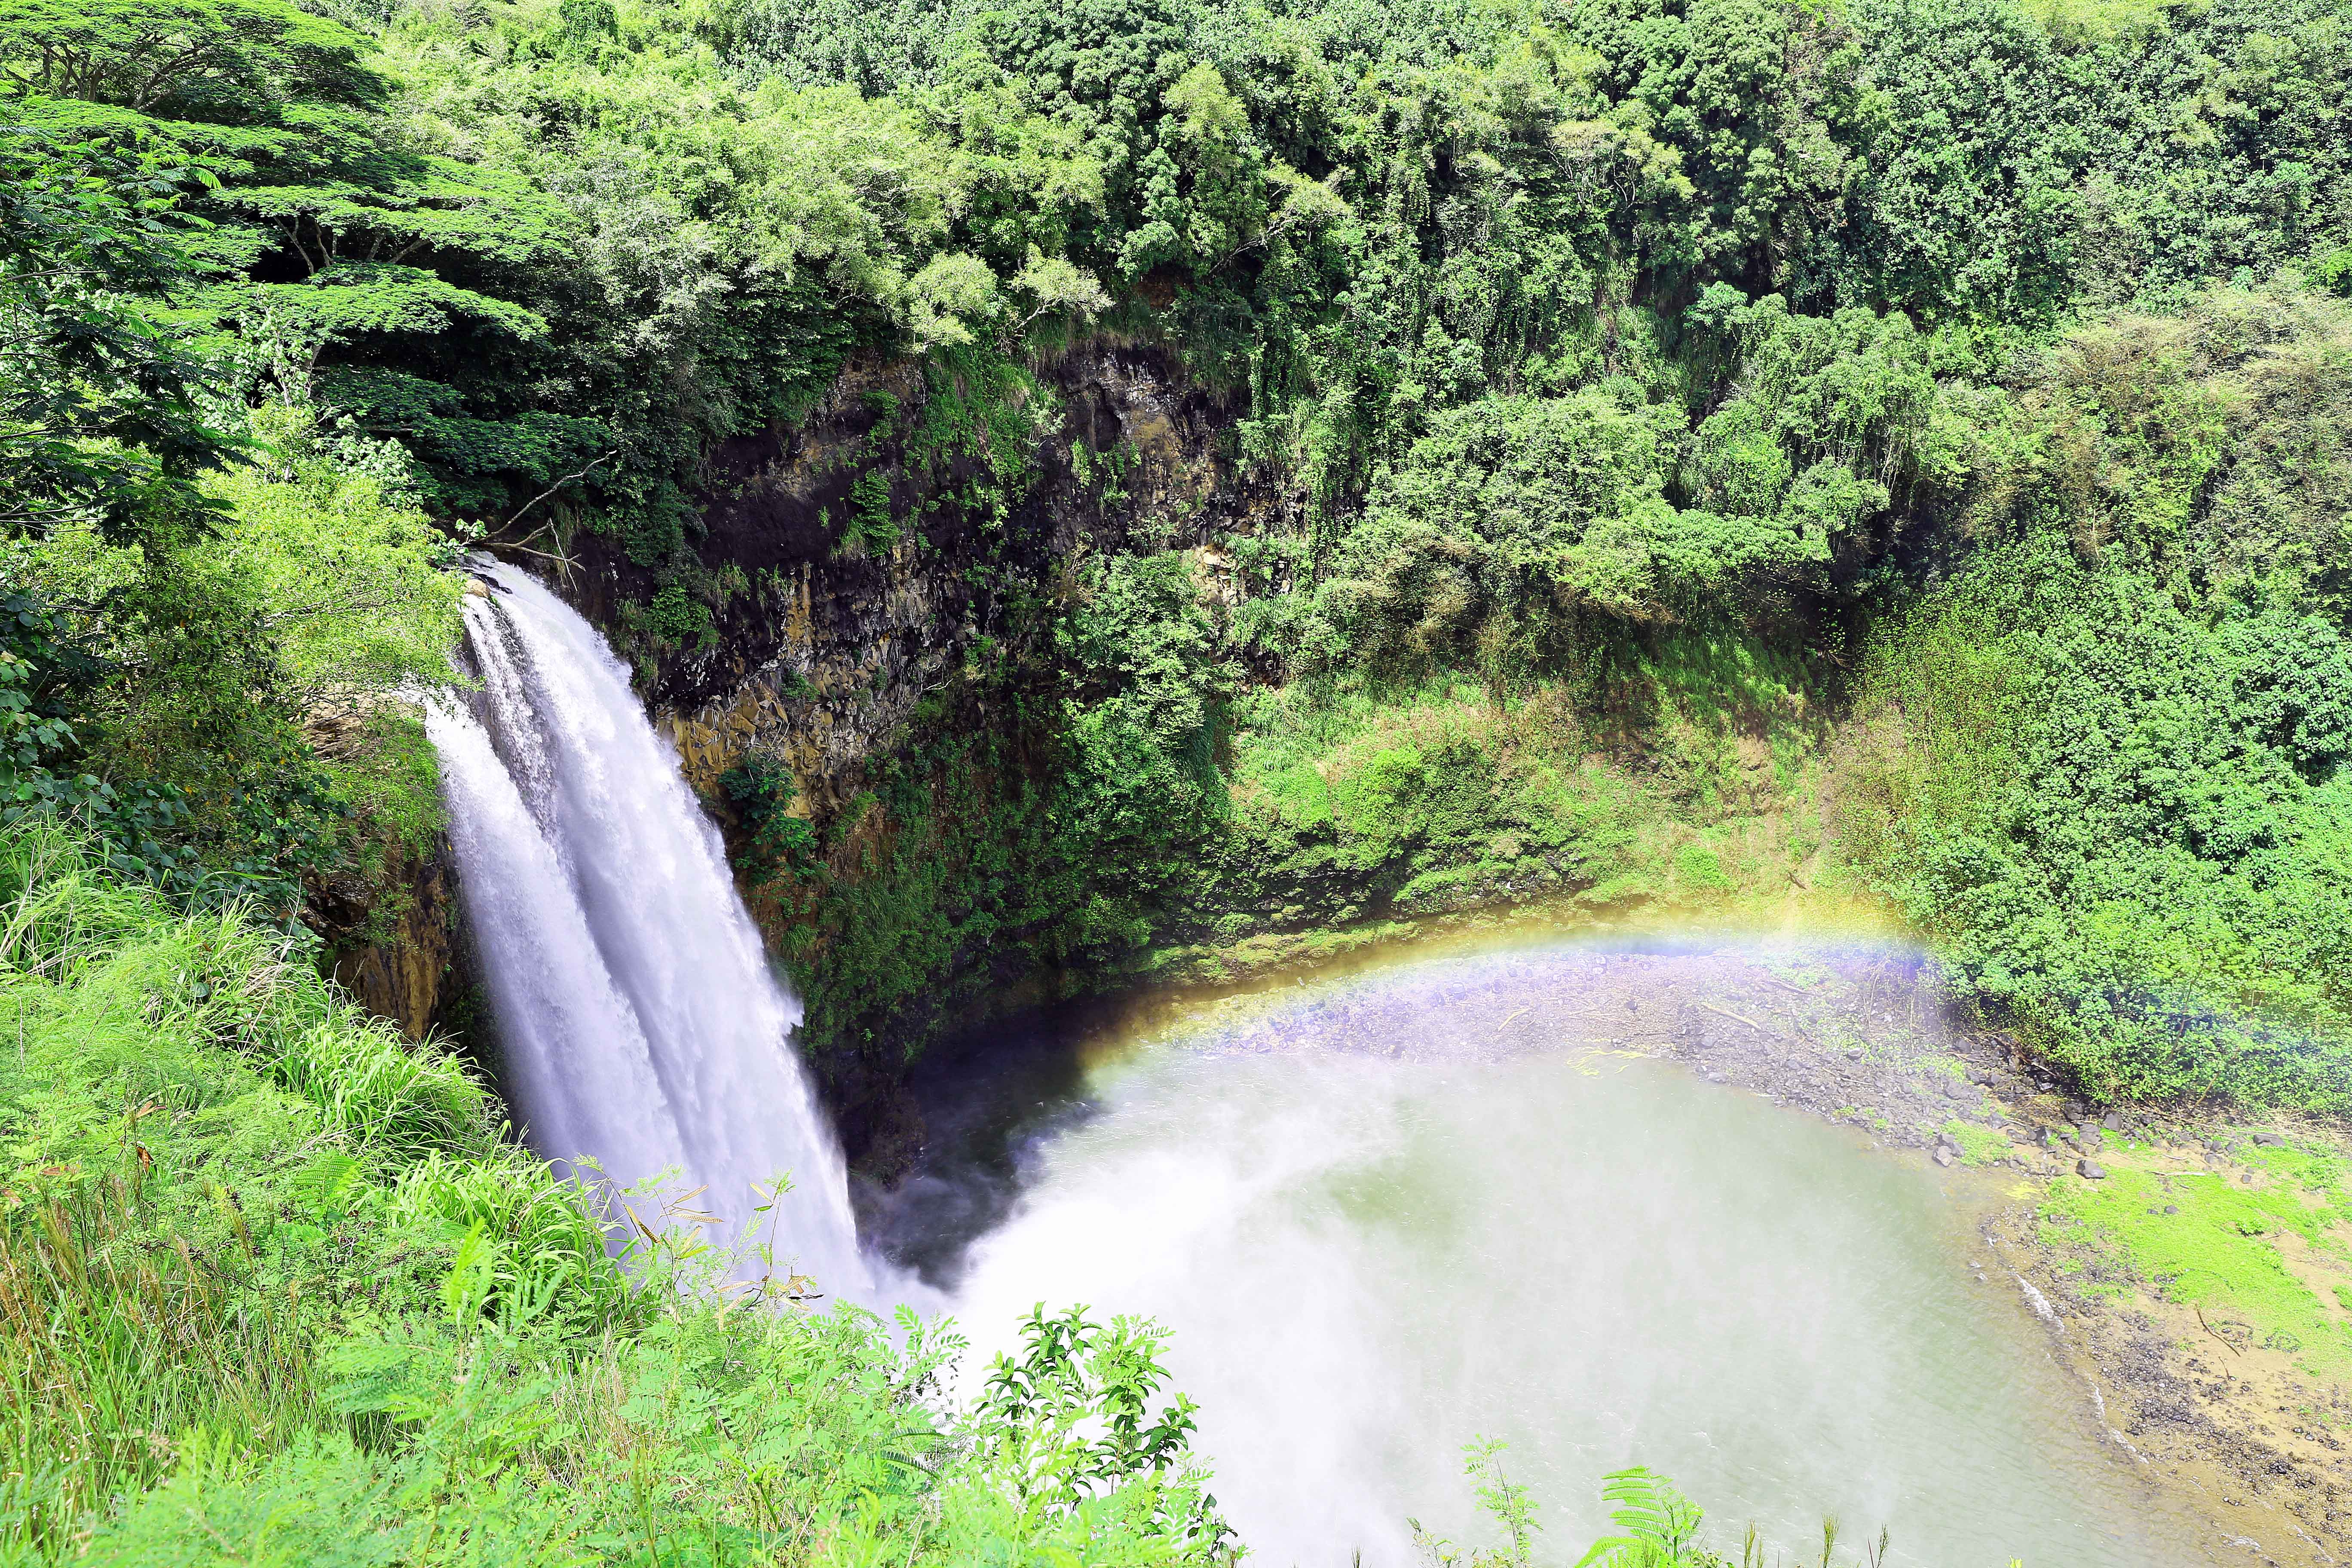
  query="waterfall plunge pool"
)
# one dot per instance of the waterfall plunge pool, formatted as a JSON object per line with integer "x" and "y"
{"x": 1382, "y": 1213}
{"x": 1388, "y": 1212}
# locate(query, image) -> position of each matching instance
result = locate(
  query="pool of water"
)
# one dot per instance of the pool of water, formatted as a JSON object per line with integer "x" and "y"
{"x": 1376, "y": 1230}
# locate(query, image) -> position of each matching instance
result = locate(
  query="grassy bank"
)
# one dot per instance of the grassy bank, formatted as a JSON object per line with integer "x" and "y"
{"x": 2255, "y": 1237}
{"x": 274, "y": 1287}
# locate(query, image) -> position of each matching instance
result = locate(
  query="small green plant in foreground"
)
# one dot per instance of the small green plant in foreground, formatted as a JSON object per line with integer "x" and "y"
{"x": 1656, "y": 1526}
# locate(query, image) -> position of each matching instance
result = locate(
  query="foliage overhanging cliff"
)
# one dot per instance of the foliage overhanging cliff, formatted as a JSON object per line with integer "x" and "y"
{"x": 1099, "y": 486}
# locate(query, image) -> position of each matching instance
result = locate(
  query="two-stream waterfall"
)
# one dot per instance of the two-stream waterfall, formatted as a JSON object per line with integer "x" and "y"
{"x": 639, "y": 1023}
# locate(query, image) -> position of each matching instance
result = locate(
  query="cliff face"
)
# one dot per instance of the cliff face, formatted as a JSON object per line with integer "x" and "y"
{"x": 865, "y": 661}
{"x": 863, "y": 574}
{"x": 820, "y": 648}
{"x": 396, "y": 951}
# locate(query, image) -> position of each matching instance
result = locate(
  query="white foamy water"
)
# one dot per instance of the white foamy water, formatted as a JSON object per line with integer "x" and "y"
{"x": 1370, "y": 1255}
{"x": 638, "y": 1019}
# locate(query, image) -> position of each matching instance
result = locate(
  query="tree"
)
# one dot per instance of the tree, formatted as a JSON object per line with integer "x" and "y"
{"x": 98, "y": 411}
{"x": 324, "y": 238}
{"x": 231, "y": 61}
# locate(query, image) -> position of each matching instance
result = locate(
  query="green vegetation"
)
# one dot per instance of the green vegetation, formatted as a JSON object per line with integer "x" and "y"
{"x": 1650, "y": 368}
{"x": 2263, "y": 1255}
{"x": 1654, "y": 1525}
{"x": 274, "y": 1289}
{"x": 1642, "y": 373}
{"x": 1663, "y": 450}
{"x": 1979, "y": 1145}
{"x": 198, "y": 594}
{"x": 2106, "y": 772}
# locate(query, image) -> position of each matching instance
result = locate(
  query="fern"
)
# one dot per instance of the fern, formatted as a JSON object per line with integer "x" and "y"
{"x": 466, "y": 1289}
{"x": 325, "y": 1185}
{"x": 1503, "y": 1500}
{"x": 1656, "y": 1524}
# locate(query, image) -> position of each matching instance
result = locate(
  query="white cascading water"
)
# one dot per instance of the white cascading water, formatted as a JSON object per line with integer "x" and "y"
{"x": 640, "y": 1023}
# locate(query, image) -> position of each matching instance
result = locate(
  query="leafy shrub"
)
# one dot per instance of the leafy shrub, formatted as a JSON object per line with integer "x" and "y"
{"x": 2123, "y": 824}
{"x": 762, "y": 790}
{"x": 1146, "y": 695}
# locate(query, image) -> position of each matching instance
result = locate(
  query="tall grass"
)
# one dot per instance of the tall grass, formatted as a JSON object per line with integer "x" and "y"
{"x": 110, "y": 1347}
{"x": 215, "y": 1164}
{"x": 275, "y": 1288}
{"x": 127, "y": 972}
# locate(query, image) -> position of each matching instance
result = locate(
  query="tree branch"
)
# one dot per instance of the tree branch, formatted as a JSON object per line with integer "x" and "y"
{"x": 563, "y": 563}
{"x": 345, "y": 605}
{"x": 558, "y": 485}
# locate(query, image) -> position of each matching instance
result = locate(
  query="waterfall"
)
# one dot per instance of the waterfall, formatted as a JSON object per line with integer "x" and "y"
{"x": 640, "y": 1024}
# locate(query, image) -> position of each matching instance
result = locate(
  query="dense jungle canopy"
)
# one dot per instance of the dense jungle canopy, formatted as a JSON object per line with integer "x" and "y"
{"x": 1693, "y": 449}
{"x": 1981, "y": 361}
